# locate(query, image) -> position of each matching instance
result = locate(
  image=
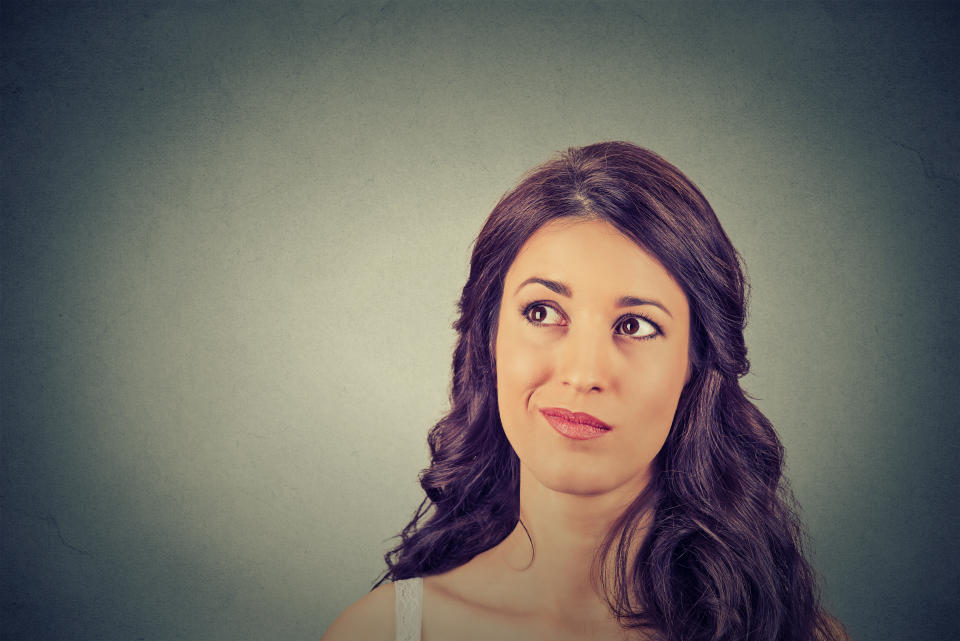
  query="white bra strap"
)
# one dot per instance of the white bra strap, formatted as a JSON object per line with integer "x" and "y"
{"x": 409, "y": 601}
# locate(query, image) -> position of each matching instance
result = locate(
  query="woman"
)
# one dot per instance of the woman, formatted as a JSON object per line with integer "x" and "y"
{"x": 601, "y": 474}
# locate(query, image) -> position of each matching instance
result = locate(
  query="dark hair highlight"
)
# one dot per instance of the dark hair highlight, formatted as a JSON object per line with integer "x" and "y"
{"x": 723, "y": 555}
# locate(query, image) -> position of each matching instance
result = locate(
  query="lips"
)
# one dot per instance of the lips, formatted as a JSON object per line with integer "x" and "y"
{"x": 579, "y": 426}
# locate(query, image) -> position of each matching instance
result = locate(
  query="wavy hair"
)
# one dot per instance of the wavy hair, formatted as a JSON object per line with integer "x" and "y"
{"x": 722, "y": 556}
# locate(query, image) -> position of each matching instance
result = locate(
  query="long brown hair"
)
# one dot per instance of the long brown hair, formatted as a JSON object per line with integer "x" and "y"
{"x": 723, "y": 557}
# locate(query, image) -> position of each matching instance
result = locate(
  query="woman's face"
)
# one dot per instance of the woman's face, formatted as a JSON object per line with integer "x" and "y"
{"x": 589, "y": 323}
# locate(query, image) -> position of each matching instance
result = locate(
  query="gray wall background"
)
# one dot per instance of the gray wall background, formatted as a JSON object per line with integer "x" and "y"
{"x": 234, "y": 233}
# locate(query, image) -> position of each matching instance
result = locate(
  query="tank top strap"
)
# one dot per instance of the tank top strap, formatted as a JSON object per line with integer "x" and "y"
{"x": 409, "y": 603}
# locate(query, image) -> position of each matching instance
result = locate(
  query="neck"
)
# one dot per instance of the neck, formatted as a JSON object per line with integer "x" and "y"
{"x": 566, "y": 531}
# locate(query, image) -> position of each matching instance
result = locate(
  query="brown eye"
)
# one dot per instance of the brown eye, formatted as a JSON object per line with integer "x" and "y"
{"x": 637, "y": 327}
{"x": 540, "y": 314}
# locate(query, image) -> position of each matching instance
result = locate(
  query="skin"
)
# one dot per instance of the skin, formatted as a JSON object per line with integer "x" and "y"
{"x": 625, "y": 365}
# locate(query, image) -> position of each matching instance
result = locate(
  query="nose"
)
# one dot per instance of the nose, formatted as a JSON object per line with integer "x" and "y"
{"x": 583, "y": 362}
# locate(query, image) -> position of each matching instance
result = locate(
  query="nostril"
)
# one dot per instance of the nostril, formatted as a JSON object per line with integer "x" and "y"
{"x": 581, "y": 386}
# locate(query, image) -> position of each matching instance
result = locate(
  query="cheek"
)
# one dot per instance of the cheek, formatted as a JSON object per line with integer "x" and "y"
{"x": 521, "y": 367}
{"x": 655, "y": 388}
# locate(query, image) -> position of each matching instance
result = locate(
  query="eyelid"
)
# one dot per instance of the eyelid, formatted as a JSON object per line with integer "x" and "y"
{"x": 525, "y": 310}
{"x": 657, "y": 331}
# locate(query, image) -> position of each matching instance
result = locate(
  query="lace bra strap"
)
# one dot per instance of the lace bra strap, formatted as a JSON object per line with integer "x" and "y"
{"x": 409, "y": 601}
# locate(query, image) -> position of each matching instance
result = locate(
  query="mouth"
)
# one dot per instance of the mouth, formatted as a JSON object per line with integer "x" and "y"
{"x": 579, "y": 426}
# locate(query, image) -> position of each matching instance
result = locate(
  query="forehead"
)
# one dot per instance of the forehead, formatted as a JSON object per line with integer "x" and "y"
{"x": 592, "y": 257}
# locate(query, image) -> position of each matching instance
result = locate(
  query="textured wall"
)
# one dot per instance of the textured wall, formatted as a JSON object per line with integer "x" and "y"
{"x": 233, "y": 235}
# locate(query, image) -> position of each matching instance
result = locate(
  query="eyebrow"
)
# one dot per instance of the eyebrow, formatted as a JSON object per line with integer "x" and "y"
{"x": 564, "y": 290}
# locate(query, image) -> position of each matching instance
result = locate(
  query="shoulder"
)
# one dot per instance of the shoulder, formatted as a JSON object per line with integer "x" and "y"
{"x": 832, "y": 630}
{"x": 369, "y": 619}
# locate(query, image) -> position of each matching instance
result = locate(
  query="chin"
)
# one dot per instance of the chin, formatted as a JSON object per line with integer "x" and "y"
{"x": 583, "y": 481}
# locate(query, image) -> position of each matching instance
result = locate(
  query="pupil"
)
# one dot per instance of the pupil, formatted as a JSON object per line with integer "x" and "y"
{"x": 630, "y": 326}
{"x": 539, "y": 313}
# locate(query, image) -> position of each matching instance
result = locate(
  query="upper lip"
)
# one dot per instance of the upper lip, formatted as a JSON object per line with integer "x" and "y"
{"x": 574, "y": 417}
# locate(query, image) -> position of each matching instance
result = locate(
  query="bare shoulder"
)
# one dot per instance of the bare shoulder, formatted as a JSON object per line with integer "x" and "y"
{"x": 369, "y": 619}
{"x": 834, "y": 629}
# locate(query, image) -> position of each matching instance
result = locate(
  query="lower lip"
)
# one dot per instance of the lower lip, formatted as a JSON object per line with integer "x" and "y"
{"x": 576, "y": 431}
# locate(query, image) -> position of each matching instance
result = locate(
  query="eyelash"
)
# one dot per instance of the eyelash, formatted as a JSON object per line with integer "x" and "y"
{"x": 525, "y": 312}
